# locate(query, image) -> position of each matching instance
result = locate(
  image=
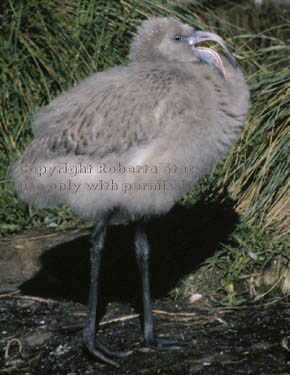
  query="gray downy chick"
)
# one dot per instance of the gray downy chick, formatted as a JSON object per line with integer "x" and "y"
{"x": 133, "y": 140}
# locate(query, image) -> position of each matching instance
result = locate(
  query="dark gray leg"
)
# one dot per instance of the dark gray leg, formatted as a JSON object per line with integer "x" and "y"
{"x": 142, "y": 248}
{"x": 93, "y": 344}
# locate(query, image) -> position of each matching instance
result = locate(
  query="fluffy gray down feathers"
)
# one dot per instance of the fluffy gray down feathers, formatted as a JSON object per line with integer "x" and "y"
{"x": 134, "y": 138}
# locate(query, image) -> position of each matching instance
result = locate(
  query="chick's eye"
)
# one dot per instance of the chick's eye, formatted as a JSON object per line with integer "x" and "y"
{"x": 177, "y": 37}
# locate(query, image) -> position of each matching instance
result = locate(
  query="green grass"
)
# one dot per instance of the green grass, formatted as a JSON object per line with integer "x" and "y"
{"x": 47, "y": 46}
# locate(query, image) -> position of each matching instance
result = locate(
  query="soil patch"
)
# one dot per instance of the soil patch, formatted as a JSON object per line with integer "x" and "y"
{"x": 41, "y": 336}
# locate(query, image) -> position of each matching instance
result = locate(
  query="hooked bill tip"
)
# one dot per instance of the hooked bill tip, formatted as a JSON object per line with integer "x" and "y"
{"x": 200, "y": 36}
{"x": 210, "y": 57}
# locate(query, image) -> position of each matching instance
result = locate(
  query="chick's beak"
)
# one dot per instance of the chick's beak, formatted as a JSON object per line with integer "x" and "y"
{"x": 209, "y": 55}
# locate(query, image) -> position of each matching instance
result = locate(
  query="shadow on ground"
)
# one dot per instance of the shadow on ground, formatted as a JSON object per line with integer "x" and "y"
{"x": 44, "y": 335}
{"x": 179, "y": 241}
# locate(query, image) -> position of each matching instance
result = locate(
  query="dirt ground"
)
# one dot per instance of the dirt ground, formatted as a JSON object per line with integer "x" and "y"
{"x": 44, "y": 337}
{"x": 44, "y": 280}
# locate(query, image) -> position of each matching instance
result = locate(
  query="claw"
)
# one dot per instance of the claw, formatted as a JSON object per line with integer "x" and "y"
{"x": 166, "y": 344}
{"x": 98, "y": 350}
